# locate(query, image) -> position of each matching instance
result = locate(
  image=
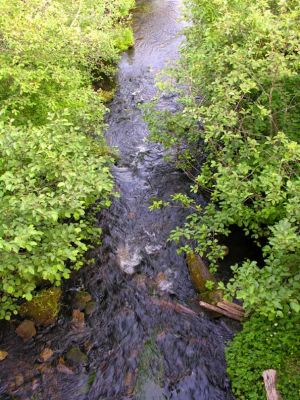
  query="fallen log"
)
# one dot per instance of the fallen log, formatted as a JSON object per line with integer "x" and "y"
{"x": 221, "y": 311}
{"x": 270, "y": 384}
{"x": 174, "y": 306}
{"x": 211, "y": 299}
{"x": 234, "y": 305}
{"x": 230, "y": 308}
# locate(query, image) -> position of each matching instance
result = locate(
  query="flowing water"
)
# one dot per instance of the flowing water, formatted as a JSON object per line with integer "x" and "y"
{"x": 144, "y": 340}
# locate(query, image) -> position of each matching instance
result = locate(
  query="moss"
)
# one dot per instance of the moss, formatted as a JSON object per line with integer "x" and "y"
{"x": 289, "y": 376}
{"x": 150, "y": 370}
{"x": 44, "y": 307}
{"x": 199, "y": 272}
{"x": 265, "y": 344}
{"x": 106, "y": 95}
{"x": 89, "y": 382}
{"x": 143, "y": 8}
{"x": 125, "y": 39}
{"x": 200, "y": 275}
{"x": 76, "y": 357}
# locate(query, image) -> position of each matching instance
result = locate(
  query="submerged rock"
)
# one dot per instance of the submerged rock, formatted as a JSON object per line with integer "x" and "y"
{"x": 62, "y": 368}
{"x": 19, "y": 380}
{"x": 150, "y": 372}
{"x": 151, "y": 391}
{"x": 90, "y": 308}
{"x": 81, "y": 300}
{"x": 46, "y": 354}
{"x": 44, "y": 307}
{"x": 76, "y": 357}
{"x": 78, "y": 319}
{"x": 3, "y": 355}
{"x": 26, "y": 330}
{"x": 84, "y": 304}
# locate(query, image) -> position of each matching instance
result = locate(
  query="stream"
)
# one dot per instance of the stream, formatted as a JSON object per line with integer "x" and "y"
{"x": 146, "y": 338}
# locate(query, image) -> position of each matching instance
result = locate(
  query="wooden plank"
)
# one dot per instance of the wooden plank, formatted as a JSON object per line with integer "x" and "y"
{"x": 221, "y": 311}
{"x": 270, "y": 384}
{"x": 230, "y": 308}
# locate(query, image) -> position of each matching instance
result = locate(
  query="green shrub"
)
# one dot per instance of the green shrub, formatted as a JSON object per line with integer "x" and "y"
{"x": 265, "y": 345}
{"x": 46, "y": 185}
{"x": 54, "y": 163}
{"x": 51, "y": 52}
{"x": 238, "y": 84}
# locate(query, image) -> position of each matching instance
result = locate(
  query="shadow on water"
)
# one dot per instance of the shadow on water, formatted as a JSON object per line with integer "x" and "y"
{"x": 142, "y": 340}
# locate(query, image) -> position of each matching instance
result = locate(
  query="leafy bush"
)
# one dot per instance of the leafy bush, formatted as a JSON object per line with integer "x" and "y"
{"x": 54, "y": 162}
{"x": 264, "y": 345}
{"x": 238, "y": 85}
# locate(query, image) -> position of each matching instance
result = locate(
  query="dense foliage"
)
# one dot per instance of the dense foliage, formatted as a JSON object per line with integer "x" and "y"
{"x": 261, "y": 346}
{"x": 236, "y": 135}
{"x": 239, "y": 89}
{"x": 54, "y": 163}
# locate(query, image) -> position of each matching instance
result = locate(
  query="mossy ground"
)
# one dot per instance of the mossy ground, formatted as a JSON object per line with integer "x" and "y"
{"x": 262, "y": 345}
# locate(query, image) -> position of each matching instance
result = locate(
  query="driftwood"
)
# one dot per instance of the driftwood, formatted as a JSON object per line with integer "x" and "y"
{"x": 230, "y": 308}
{"x": 234, "y": 305}
{"x": 211, "y": 300}
{"x": 230, "y": 312}
{"x": 270, "y": 384}
{"x": 174, "y": 306}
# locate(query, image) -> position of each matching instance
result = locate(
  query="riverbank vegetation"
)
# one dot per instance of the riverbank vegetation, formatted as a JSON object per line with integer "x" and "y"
{"x": 236, "y": 136}
{"x": 54, "y": 163}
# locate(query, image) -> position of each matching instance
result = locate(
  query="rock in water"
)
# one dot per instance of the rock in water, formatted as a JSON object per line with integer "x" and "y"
{"x": 76, "y": 357}
{"x": 19, "y": 380}
{"x": 199, "y": 272}
{"x": 62, "y": 368}
{"x": 46, "y": 354}
{"x": 90, "y": 308}
{"x": 81, "y": 300}
{"x": 78, "y": 319}
{"x": 3, "y": 355}
{"x": 26, "y": 330}
{"x": 43, "y": 308}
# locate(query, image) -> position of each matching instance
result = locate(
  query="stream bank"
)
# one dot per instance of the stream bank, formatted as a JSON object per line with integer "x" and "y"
{"x": 143, "y": 340}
